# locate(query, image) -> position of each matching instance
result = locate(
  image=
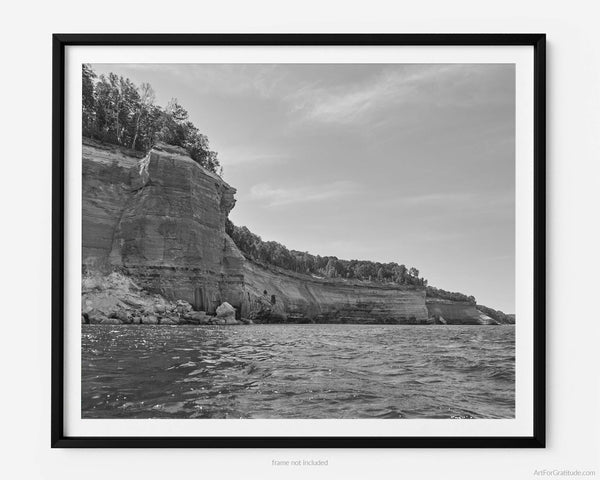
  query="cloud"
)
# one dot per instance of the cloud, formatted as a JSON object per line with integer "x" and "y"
{"x": 243, "y": 156}
{"x": 436, "y": 199}
{"x": 309, "y": 94}
{"x": 234, "y": 80}
{"x": 453, "y": 200}
{"x": 350, "y": 103}
{"x": 425, "y": 86}
{"x": 278, "y": 196}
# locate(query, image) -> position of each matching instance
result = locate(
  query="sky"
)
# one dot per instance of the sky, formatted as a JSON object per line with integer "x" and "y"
{"x": 413, "y": 164}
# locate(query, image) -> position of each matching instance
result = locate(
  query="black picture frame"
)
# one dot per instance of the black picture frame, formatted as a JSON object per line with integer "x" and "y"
{"x": 61, "y": 41}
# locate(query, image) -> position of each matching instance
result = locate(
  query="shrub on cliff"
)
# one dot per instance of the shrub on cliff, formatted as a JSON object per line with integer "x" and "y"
{"x": 117, "y": 111}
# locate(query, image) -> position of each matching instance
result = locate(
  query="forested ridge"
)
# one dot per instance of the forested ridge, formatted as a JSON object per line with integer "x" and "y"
{"x": 115, "y": 110}
{"x": 446, "y": 295}
{"x": 277, "y": 254}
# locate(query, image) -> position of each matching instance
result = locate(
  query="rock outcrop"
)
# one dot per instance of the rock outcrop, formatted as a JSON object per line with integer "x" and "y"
{"x": 226, "y": 314}
{"x": 159, "y": 221}
{"x": 106, "y": 191}
{"x": 115, "y": 299}
{"x": 457, "y": 313}
{"x": 273, "y": 294}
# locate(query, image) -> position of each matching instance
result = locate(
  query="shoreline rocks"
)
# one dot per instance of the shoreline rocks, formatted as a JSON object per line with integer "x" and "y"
{"x": 226, "y": 314}
{"x": 114, "y": 299}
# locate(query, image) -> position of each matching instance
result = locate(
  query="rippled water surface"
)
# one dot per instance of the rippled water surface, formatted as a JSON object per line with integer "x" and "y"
{"x": 298, "y": 371}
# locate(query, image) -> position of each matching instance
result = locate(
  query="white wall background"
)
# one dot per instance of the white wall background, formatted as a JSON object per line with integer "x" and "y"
{"x": 573, "y": 228}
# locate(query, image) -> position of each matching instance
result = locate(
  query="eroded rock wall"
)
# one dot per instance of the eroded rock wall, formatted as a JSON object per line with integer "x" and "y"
{"x": 271, "y": 294}
{"x": 105, "y": 190}
{"x": 457, "y": 313}
{"x": 161, "y": 220}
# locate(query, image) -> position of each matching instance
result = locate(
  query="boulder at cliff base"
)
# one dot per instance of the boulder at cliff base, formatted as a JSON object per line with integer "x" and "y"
{"x": 226, "y": 312}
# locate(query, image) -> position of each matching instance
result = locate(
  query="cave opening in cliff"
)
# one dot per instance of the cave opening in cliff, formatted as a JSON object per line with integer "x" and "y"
{"x": 199, "y": 299}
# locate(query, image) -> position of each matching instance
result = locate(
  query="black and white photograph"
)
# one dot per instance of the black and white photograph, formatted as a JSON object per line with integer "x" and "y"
{"x": 298, "y": 241}
{"x": 285, "y": 240}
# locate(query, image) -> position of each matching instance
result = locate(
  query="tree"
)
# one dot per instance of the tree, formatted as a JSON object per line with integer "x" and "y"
{"x": 198, "y": 147}
{"x": 364, "y": 270}
{"x": 143, "y": 108}
{"x": 87, "y": 97}
{"x": 176, "y": 111}
{"x": 331, "y": 270}
{"x": 103, "y": 108}
{"x": 116, "y": 99}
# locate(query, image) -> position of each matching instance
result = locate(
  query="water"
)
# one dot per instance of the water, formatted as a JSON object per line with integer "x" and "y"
{"x": 298, "y": 371}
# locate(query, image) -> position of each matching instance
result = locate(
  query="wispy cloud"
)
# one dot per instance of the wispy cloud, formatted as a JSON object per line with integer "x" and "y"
{"x": 424, "y": 86}
{"x": 436, "y": 199}
{"x": 224, "y": 78}
{"x": 243, "y": 156}
{"x": 452, "y": 200}
{"x": 279, "y": 196}
{"x": 351, "y": 102}
{"x": 348, "y": 101}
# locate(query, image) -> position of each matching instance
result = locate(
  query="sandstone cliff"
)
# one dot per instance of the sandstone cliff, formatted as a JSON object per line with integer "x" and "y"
{"x": 160, "y": 220}
{"x": 106, "y": 191}
{"x": 458, "y": 313}
{"x": 275, "y": 294}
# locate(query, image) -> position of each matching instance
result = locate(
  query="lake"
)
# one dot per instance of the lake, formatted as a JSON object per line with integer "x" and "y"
{"x": 298, "y": 371}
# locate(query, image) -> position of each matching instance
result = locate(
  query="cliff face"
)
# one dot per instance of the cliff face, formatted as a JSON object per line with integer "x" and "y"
{"x": 106, "y": 191}
{"x": 160, "y": 219}
{"x": 271, "y": 293}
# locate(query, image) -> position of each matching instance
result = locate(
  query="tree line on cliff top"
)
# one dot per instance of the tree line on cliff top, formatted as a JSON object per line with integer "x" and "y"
{"x": 330, "y": 267}
{"x": 274, "y": 253}
{"x": 117, "y": 111}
